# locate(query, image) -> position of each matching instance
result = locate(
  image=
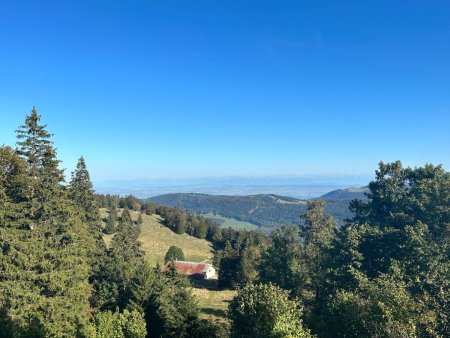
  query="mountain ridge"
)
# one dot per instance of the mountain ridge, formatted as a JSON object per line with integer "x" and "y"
{"x": 263, "y": 210}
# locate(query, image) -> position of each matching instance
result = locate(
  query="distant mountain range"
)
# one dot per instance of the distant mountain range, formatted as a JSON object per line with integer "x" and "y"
{"x": 263, "y": 210}
{"x": 302, "y": 187}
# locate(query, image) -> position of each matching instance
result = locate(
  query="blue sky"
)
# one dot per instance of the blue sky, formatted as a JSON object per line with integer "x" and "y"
{"x": 152, "y": 89}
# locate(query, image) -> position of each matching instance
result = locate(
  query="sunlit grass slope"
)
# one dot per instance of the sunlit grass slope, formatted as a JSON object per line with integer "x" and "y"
{"x": 213, "y": 304}
{"x": 156, "y": 240}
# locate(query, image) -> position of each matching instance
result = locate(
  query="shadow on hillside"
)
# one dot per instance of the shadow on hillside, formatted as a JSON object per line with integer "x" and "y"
{"x": 214, "y": 312}
{"x": 205, "y": 284}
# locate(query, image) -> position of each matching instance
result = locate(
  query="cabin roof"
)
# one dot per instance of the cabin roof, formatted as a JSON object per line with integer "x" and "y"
{"x": 189, "y": 268}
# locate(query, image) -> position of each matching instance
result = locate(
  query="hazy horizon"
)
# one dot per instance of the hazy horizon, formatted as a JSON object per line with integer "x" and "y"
{"x": 303, "y": 187}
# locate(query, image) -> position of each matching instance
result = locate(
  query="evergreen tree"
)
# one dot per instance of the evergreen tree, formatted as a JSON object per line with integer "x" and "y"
{"x": 125, "y": 218}
{"x": 34, "y": 145}
{"x": 111, "y": 225}
{"x": 174, "y": 254}
{"x": 281, "y": 262}
{"x": 82, "y": 193}
{"x": 318, "y": 234}
{"x": 228, "y": 264}
{"x": 44, "y": 288}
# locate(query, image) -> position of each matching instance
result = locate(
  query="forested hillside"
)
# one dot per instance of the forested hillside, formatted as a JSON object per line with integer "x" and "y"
{"x": 266, "y": 211}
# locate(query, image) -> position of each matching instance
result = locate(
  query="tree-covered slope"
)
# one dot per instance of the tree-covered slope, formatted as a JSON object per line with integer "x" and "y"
{"x": 262, "y": 210}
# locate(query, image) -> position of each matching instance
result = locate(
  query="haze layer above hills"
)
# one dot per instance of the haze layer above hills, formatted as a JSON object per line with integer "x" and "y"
{"x": 302, "y": 187}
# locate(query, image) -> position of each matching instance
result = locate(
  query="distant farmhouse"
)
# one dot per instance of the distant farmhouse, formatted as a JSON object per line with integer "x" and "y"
{"x": 194, "y": 270}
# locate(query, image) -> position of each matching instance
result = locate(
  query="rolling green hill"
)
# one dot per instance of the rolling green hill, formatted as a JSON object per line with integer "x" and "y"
{"x": 265, "y": 211}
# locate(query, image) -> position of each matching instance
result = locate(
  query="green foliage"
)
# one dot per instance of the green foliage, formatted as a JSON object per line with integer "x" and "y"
{"x": 281, "y": 262}
{"x": 405, "y": 196}
{"x": 125, "y": 218}
{"x": 111, "y": 225}
{"x": 247, "y": 268}
{"x": 379, "y": 308}
{"x": 174, "y": 254}
{"x": 119, "y": 325}
{"x": 389, "y": 232}
{"x": 265, "y": 311}
{"x": 318, "y": 235}
{"x": 166, "y": 300}
{"x": 44, "y": 260}
{"x": 34, "y": 145}
{"x": 81, "y": 192}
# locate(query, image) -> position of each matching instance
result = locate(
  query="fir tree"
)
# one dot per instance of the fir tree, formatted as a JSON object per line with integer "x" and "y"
{"x": 34, "y": 145}
{"x": 82, "y": 193}
{"x": 44, "y": 264}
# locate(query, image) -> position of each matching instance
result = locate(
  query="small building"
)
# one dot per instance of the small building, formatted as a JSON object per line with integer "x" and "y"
{"x": 194, "y": 270}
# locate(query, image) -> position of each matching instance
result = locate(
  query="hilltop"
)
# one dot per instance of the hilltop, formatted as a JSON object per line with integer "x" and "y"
{"x": 346, "y": 194}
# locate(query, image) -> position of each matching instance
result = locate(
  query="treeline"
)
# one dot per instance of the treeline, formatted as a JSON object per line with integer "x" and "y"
{"x": 57, "y": 276}
{"x": 265, "y": 211}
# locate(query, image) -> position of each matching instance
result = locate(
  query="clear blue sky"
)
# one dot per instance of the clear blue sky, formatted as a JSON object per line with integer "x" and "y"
{"x": 212, "y": 88}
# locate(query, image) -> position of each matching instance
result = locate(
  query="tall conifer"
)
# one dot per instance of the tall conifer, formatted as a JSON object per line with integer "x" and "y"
{"x": 44, "y": 269}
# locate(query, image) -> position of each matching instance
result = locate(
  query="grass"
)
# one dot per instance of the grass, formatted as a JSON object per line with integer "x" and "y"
{"x": 231, "y": 222}
{"x": 213, "y": 304}
{"x": 156, "y": 240}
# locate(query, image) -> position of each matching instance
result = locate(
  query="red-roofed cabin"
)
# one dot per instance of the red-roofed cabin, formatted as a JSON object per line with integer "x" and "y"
{"x": 194, "y": 270}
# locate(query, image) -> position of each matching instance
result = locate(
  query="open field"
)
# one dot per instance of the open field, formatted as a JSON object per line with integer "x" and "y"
{"x": 231, "y": 222}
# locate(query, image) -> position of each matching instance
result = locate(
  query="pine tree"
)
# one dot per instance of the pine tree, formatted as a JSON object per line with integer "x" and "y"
{"x": 82, "y": 192}
{"x": 34, "y": 145}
